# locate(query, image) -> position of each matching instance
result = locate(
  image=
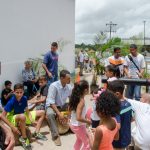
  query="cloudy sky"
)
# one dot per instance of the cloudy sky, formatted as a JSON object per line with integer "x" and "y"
{"x": 92, "y": 16}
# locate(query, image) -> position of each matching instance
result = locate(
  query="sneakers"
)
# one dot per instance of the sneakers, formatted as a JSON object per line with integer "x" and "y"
{"x": 57, "y": 141}
{"x": 25, "y": 143}
{"x": 40, "y": 136}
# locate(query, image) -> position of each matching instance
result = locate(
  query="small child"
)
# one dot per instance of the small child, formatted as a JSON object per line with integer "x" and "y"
{"x": 94, "y": 116}
{"x": 17, "y": 113}
{"x": 78, "y": 120}
{"x": 107, "y": 107}
{"x": 141, "y": 132}
{"x": 111, "y": 73}
{"x": 125, "y": 117}
{"x": 39, "y": 100}
{"x": 6, "y": 93}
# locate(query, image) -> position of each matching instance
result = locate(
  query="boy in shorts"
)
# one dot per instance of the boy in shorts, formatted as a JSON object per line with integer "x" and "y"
{"x": 17, "y": 113}
{"x": 40, "y": 99}
{"x": 125, "y": 117}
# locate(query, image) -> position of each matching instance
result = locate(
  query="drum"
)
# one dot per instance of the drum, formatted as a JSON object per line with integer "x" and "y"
{"x": 63, "y": 128}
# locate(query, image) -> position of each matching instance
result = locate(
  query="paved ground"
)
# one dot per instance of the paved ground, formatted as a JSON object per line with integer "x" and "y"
{"x": 67, "y": 140}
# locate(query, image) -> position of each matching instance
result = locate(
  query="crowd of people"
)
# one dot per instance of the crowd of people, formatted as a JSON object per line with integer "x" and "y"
{"x": 106, "y": 126}
{"x": 85, "y": 62}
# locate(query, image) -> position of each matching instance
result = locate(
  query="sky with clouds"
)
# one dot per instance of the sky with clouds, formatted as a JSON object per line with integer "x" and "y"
{"x": 92, "y": 16}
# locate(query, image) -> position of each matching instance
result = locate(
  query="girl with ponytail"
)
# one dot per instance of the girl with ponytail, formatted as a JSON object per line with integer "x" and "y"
{"x": 78, "y": 119}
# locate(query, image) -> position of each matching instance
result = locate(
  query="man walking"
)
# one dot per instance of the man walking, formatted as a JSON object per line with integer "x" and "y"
{"x": 81, "y": 60}
{"x": 50, "y": 64}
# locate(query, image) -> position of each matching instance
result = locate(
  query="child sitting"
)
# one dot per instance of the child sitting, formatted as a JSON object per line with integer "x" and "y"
{"x": 78, "y": 120}
{"x": 107, "y": 107}
{"x": 39, "y": 100}
{"x": 141, "y": 132}
{"x": 6, "y": 93}
{"x": 117, "y": 87}
{"x": 18, "y": 115}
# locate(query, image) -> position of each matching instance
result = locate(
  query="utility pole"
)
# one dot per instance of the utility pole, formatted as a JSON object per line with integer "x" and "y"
{"x": 144, "y": 32}
{"x": 111, "y": 25}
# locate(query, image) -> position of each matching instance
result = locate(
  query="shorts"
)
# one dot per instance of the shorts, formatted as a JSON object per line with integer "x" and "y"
{"x": 12, "y": 118}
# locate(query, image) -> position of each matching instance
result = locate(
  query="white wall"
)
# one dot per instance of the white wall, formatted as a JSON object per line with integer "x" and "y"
{"x": 26, "y": 29}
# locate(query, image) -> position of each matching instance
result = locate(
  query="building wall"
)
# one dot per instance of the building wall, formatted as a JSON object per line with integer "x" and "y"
{"x": 28, "y": 27}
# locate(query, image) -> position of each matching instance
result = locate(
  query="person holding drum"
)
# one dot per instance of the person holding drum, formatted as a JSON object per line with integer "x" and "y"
{"x": 58, "y": 93}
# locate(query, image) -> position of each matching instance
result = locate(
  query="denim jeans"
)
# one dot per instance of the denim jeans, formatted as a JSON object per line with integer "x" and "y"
{"x": 133, "y": 91}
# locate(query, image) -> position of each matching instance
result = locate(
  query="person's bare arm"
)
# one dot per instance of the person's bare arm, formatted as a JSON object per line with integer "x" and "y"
{"x": 97, "y": 139}
{"x": 126, "y": 71}
{"x": 141, "y": 73}
{"x": 29, "y": 115}
{"x": 46, "y": 69}
{"x": 58, "y": 113}
{"x": 35, "y": 100}
{"x": 9, "y": 140}
{"x": 41, "y": 100}
{"x": 3, "y": 118}
{"x": 79, "y": 113}
{"x": 6, "y": 96}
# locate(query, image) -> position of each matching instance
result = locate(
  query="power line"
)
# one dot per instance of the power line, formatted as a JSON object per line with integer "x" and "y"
{"x": 111, "y": 25}
{"x": 144, "y": 31}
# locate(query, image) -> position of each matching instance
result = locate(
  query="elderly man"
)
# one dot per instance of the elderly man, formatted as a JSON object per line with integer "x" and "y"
{"x": 58, "y": 93}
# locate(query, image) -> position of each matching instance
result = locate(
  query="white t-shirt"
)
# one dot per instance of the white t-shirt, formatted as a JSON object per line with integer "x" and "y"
{"x": 94, "y": 115}
{"x": 111, "y": 79}
{"x": 140, "y": 62}
{"x": 73, "y": 120}
{"x": 120, "y": 62}
{"x": 141, "y": 133}
{"x": 81, "y": 57}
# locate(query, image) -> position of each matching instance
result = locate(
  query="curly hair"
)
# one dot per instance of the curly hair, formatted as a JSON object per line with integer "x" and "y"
{"x": 77, "y": 93}
{"x": 108, "y": 104}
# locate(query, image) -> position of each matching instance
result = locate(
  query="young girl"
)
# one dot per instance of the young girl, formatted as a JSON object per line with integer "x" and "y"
{"x": 111, "y": 73}
{"x": 107, "y": 107}
{"x": 78, "y": 112}
{"x": 94, "y": 116}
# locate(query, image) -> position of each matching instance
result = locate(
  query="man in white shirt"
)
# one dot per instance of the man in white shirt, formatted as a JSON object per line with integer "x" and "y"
{"x": 134, "y": 68}
{"x": 58, "y": 93}
{"x": 141, "y": 132}
{"x": 86, "y": 62}
{"x": 81, "y": 60}
{"x": 116, "y": 60}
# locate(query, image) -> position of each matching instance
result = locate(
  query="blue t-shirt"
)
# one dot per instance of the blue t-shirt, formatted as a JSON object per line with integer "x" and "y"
{"x": 125, "y": 122}
{"x": 17, "y": 106}
{"x": 51, "y": 61}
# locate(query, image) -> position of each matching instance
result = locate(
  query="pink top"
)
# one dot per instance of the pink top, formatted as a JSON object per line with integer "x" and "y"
{"x": 108, "y": 137}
